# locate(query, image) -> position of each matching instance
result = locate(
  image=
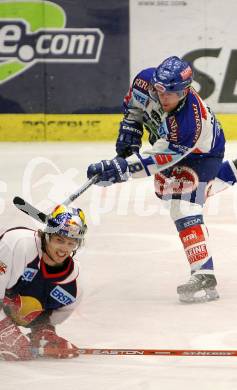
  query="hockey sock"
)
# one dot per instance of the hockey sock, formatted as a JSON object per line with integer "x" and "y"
{"x": 194, "y": 237}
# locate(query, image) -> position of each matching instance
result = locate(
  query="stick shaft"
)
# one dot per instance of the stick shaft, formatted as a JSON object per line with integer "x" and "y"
{"x": 156, "y": 352}
{"x": 33, "y": 212}
{"x": 80, "y": 191}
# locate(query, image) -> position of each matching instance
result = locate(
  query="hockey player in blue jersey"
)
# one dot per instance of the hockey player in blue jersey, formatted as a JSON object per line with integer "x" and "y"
{"x": 39, "y": 286}
{"x": 185, "y": 158}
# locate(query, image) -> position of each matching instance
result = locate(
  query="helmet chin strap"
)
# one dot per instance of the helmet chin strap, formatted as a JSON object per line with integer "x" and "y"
{"x": 182, "y": 94}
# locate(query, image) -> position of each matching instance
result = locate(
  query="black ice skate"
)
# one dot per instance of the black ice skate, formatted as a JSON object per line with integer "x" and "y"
{"x": 199, "y": 288}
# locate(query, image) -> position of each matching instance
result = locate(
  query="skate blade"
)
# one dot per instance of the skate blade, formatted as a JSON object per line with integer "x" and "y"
{"x": 205, "y": 295}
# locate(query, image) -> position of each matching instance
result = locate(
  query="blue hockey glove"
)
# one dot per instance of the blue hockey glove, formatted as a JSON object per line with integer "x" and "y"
{"x": 110, "y": 171}
{"x": 129, "y": 139}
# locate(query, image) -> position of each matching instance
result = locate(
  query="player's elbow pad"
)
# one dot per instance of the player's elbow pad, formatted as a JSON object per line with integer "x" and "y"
{"x": 141, "y": 166}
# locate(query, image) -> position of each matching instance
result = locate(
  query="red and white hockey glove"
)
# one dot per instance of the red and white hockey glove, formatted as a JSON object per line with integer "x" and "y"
{"x": 14, "y": 345}
{"x": 46, "y": 343}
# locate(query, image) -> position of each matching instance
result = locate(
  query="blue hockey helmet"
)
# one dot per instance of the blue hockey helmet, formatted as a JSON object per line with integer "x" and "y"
{"x": 67, "y": 222}
{"x": 172, "y": 75}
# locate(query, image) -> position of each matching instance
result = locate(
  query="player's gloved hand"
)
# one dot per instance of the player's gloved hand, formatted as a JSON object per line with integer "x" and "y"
{"x": 14, "y": 345}
{"x": 46, "y": 343}
{"x": 109, "y": 171}
{"x": 129, "y": 139}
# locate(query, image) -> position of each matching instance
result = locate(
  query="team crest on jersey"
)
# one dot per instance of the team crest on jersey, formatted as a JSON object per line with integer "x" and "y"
{"x": 3, "y": 268}
{"x": 29, "y": 274}
{"x": 182, "y": 180}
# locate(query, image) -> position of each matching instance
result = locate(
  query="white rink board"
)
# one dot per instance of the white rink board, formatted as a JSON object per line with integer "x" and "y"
{"x": 129, "y": 273}
{"x": 159, "y": 29}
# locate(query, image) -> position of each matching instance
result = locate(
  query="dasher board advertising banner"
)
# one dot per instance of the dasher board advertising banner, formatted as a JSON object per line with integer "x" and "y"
{"x": 203, "y": 32}
{"x": 63, "y": 56}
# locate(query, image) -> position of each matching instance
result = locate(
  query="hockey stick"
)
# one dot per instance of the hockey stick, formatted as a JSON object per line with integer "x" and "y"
{"x": 156, "y": 352}
{"x": 33, "y": 212}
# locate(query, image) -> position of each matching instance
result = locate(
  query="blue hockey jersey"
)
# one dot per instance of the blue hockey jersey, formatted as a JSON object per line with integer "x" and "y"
{"x": 190, "y": 130}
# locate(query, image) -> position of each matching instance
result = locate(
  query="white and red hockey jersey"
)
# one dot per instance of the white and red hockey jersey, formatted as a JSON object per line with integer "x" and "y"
{"x": 28, "y": 288}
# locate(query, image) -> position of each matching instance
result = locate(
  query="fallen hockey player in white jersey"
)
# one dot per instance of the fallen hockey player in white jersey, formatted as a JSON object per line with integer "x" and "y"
{"x": 38, "y": 286}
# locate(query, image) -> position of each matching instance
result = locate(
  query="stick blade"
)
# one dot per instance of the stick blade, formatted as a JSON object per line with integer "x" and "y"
{"x": 28, "y": 209}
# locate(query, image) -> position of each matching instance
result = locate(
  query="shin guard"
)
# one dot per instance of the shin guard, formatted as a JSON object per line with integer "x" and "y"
{"x": 194, "y": 237}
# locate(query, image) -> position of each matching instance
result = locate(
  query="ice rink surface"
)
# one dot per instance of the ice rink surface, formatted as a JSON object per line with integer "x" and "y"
{"x": 130, "y": 268}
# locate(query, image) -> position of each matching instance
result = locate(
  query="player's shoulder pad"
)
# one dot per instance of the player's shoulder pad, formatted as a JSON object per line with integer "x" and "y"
{"x": 142, "y": 80}
{"x": 197, "y": 104}
{"x": 140, "y": 86}
{"x": 16, "y": 235}
{"x": 185, "y": 126}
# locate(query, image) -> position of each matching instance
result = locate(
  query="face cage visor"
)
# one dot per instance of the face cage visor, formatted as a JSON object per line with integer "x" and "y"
{"x": 159, "y": 88}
